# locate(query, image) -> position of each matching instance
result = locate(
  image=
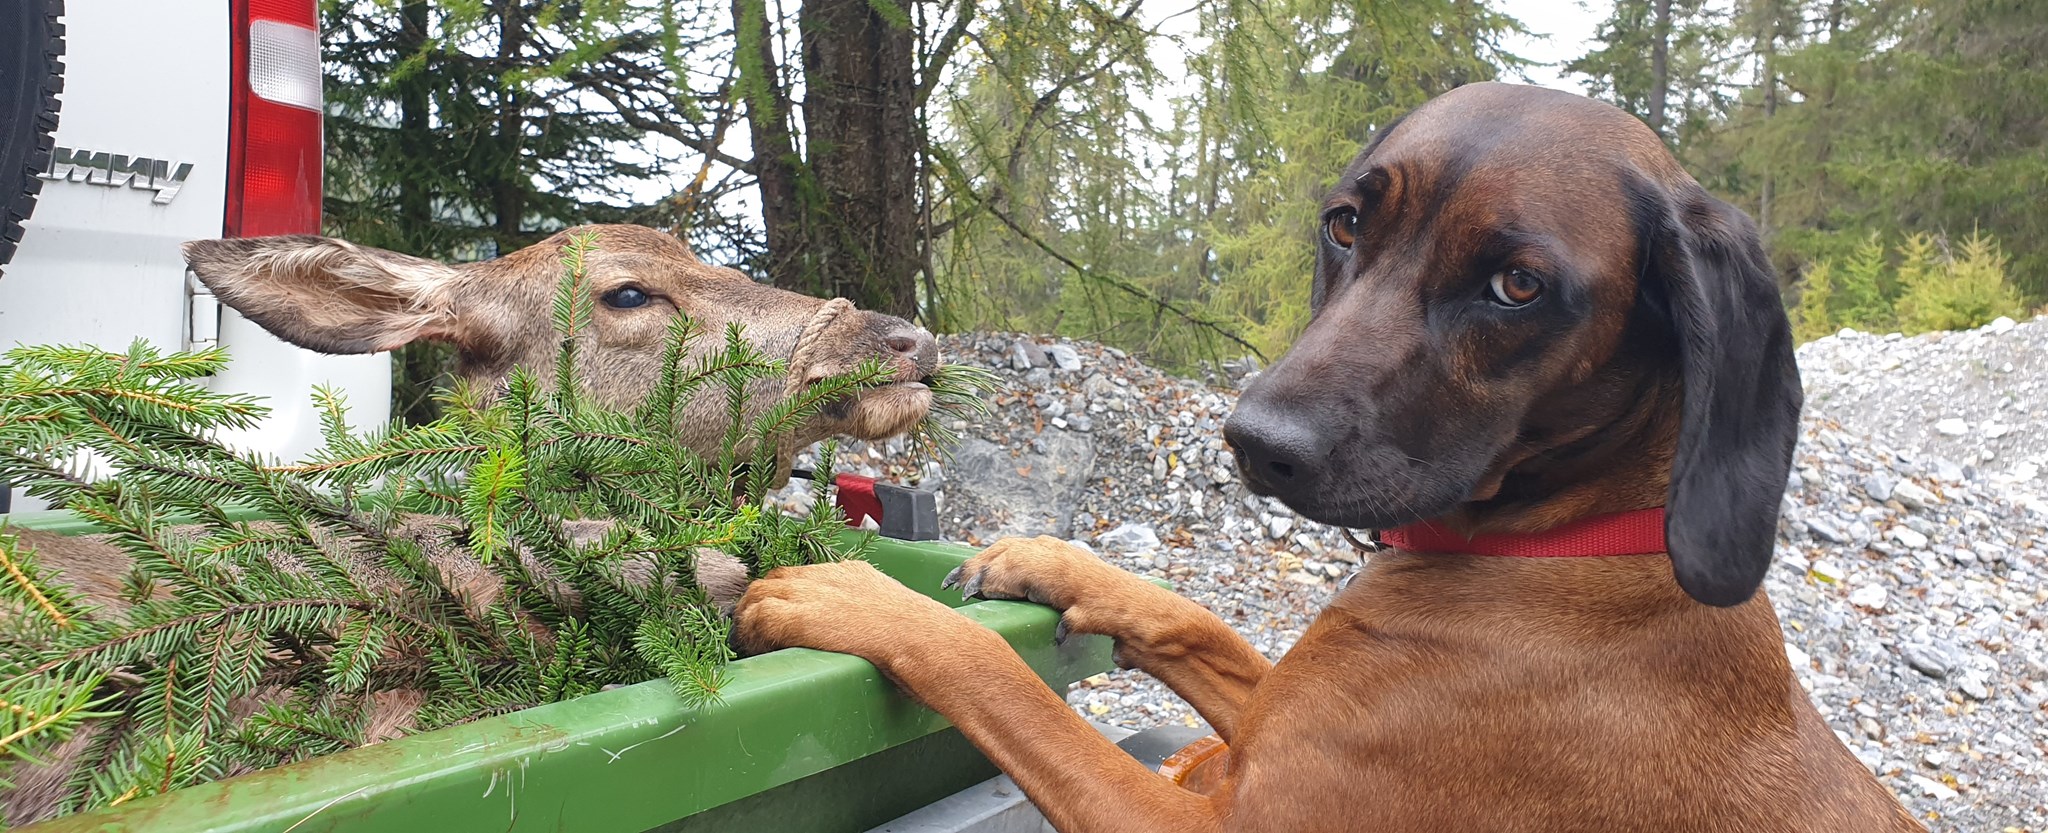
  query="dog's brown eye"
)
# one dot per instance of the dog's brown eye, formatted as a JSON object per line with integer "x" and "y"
{"x": 1515, "y": 287}
{"x": 1342, "y": 228}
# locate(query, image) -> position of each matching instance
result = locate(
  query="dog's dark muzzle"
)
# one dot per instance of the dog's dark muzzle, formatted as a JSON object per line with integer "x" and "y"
{"x": 1279, "y": 452}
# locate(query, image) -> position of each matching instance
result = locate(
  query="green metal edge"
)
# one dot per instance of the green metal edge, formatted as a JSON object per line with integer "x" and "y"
{"x": 629, "y": 759}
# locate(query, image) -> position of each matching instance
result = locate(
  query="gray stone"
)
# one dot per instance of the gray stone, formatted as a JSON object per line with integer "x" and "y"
{"x": 1930, "y": 660}
{"x": 1913, "y": 495}
{"x": 1870, "y": 596}
{"x": 1033, "y": 493}
{"x": 1064, "y": 357}
{"x": 1821, "y": 529}
{"x": 1129, "y": 538}
{"x": 1024, "y": 355}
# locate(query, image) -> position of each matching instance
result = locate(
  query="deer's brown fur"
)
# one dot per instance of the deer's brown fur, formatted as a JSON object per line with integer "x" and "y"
{"x": 334, "y": 296}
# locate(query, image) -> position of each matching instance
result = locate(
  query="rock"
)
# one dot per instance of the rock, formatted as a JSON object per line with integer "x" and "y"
{"x": 1927, "y": 659}
{"x": 1952, "y": 427}
{"x": 1033, "y": 493}
{"x": 1128, "y": 538}
{"x": 1908, "y": 537}
{"x": 1821, "y": 529}
{"x": 1278, "y": 525}
{"x": 1827, "y": 571}
{"x": 1975, "y": 687}
{"x": 1064, "y": 357}
{"x": 1948, "y": 472}
{"x": 2000, "y": 326}
{"x": 1879, "y": 486}
{"x": 1914, "y": 496}
{"x": 1933, "y": 788}
{"x": 1098, "y": 387}
{"x": 1024, "y": 355}
{"x": 1870, "y": 596}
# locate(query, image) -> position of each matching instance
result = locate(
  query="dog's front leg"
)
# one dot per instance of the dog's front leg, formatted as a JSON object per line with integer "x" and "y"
{"x": 1156, "y": 631}
{"x": 1075, "y": 776}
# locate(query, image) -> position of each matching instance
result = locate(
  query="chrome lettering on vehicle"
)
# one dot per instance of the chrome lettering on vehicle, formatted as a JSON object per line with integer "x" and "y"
{"x": 114, "y": 170}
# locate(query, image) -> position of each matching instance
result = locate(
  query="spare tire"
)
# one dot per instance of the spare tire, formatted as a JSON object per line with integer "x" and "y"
{"x": 31, "y": 75}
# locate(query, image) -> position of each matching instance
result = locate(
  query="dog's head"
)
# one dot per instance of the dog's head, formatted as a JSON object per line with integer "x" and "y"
{"x": 1526, "y": 312}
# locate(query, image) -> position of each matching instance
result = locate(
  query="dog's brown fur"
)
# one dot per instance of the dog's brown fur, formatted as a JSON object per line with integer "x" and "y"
{"x": 1445, "y": 693}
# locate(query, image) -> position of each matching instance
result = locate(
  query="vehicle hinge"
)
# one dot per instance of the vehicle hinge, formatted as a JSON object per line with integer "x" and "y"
{"x": 202, "y": 315}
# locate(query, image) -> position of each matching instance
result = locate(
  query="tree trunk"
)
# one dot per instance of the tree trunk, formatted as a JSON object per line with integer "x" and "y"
{"x": 777, "y": 169}
{"x": 1767, "y": 42}
{"x": 860, "y": 126}
{"x": 1660, "y": 65}
{"x": 415, "y": 141}
{"x": 508, "y": 199}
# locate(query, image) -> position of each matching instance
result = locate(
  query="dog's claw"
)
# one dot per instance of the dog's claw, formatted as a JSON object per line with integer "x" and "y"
{"x": 972, "y": 587}
{"x": 953, "y": 578}
{"x": 1060, "y": 632}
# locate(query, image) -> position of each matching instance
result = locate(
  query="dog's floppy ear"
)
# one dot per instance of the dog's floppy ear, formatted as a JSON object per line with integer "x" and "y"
{"x": 1707, "y": 271}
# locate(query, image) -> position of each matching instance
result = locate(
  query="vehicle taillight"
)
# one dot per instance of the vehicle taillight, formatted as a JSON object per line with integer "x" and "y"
{"x": 274, "y": 127}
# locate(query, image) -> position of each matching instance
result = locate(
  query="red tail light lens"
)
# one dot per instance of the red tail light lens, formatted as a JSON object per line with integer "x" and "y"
{"x": 274, "y": 128}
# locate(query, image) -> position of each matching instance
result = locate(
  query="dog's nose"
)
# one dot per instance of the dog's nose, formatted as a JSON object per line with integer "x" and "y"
{"x": 1279, "y": 454}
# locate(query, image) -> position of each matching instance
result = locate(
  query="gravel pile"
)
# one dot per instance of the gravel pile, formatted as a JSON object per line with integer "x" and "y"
{"x": 1912, "y": 570}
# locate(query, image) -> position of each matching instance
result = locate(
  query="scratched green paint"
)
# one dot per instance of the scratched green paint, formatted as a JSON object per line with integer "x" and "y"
{"x": 803, "y": 740}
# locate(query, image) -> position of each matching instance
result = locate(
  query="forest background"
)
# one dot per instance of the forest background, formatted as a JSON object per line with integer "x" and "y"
{"x": 1146, "y": 173}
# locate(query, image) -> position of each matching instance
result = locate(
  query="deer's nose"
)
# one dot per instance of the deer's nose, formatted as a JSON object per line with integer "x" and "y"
{"x": 911, "y": 345}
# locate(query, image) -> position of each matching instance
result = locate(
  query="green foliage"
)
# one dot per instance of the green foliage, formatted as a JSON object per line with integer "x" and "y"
{"x": 1835, "y": 120}
{"x": 1074, "y": 207}
{"x": 438, "y": 559}
{"x": 1964, "y": 290}
{"x": 1918, "y": 286}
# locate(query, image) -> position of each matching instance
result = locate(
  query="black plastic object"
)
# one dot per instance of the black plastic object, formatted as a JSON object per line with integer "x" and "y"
{"x": 31, "y": 75}
{"x": 899, "y": 512}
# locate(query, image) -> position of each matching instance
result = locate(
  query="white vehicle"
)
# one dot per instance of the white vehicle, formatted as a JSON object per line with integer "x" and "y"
{"x": 144, "y": 125}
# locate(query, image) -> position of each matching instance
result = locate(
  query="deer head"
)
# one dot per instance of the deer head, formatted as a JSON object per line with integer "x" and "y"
{"x": 334, "y": 297}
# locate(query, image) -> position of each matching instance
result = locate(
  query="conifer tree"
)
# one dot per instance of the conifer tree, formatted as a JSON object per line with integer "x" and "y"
{"x": 356, "y": 571}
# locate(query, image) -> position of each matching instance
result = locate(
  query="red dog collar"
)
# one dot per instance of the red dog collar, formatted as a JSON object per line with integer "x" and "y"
{"x": 1640, "y": 532}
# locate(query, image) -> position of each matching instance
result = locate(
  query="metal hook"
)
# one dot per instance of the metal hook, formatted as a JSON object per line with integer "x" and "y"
{"x": 1368, "y": 546}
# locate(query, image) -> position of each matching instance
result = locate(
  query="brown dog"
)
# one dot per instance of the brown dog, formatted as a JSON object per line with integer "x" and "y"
{"x": 1526, "y": 316}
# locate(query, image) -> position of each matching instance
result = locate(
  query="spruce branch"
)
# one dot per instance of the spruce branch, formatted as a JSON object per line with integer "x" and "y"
{"x": 435, "y": 559}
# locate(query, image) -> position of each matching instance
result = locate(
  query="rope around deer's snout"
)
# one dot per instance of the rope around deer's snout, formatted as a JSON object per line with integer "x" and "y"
{"x": 800, "y": 358}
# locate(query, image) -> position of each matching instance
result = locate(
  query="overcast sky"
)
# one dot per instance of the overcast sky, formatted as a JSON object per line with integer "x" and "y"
{"x": 1559, "y": 31}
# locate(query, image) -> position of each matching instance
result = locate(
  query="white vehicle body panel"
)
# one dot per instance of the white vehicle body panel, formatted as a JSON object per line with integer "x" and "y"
{"x": 100, "y": 264}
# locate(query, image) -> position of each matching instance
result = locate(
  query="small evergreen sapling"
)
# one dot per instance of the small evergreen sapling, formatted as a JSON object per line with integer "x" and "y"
{"x": 241, "y": 645}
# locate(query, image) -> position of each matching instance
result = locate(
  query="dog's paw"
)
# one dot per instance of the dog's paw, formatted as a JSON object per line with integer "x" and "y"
{"x": 846, "y": 607}
{"x": 1045, "y": 570}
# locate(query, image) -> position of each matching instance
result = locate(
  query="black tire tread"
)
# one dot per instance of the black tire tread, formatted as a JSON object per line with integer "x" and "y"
{"x": 31, "y": 127}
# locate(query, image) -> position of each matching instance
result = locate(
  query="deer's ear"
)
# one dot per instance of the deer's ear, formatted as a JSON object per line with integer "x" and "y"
{"x": 330, "y": 295}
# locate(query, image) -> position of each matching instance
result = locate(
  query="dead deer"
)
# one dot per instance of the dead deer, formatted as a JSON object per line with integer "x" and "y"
{"x": 336, "y": 297}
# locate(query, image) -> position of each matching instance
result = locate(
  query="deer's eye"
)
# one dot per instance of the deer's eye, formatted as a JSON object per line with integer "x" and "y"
{"x": 1515, "y": 287}
{"x": 625, "y": 297}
